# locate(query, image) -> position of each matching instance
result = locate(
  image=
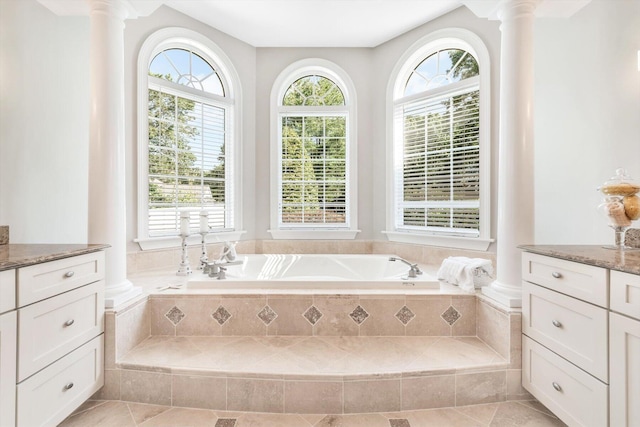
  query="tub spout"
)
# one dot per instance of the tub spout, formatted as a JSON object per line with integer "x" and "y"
{"x": 414, "y": 270}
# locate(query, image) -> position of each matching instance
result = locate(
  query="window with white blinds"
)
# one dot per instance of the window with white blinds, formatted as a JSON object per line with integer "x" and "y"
{"x": 313, "y": 160}
{"x": 190, "y": 154}
{"x": 437, "y": 150}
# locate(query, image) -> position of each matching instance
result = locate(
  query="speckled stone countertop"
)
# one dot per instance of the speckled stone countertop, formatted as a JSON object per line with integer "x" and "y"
{"x": 21, "y": 255}
{"x": 627, "y": 261}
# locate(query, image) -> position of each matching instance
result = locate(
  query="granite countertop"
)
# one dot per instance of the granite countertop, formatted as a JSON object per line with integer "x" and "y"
{"x": 627, "y": 260}
{"x": 21, "y": 255}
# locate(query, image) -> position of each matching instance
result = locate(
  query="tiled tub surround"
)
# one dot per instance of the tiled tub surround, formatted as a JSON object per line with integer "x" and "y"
{"x": 311, "y": 354}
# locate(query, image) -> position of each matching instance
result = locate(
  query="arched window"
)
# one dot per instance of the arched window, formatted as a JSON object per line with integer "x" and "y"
{"x": 314, "y": 152}
{"x": 440, "y": 146}
{"x": 187, "y": 145}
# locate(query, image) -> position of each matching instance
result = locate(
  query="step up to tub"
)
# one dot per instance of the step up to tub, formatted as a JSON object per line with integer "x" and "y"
{"x": 311, "y": 374}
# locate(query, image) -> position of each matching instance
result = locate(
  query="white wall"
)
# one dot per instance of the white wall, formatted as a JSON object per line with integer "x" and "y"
{"x": 44, "y": 124}
{"x": 587, "y": 117}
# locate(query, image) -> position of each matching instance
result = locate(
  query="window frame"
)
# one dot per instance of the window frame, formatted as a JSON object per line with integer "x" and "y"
{"x": 455, "y": 38}
{"x": 182, "y": 38}
{"x": 295, "y": 71}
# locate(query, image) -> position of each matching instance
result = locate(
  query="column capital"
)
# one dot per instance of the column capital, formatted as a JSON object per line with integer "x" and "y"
{"x": 494, "y": 9}
{"x": 131, "y": 8}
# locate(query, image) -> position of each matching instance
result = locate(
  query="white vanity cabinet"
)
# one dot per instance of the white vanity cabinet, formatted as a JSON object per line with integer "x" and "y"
{"x": 624, "y": 343}
{"x": 581, "y": 338}
{"x": 52, "y": 344}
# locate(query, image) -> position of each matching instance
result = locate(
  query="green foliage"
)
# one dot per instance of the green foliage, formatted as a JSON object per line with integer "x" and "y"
{"x": 313, "y": 91}
{"x": 468, "y": 67}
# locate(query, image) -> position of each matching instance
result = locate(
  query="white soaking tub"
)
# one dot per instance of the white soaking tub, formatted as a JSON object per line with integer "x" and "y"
{"x": 353, "y": 274}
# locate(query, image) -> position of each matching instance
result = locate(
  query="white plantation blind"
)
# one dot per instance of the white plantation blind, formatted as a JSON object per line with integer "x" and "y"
{"x": 437, "y": 183}
{"x": 190, "y": 154}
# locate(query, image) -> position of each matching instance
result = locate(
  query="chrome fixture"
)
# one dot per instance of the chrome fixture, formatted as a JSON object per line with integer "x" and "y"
{"x": 218, "y": 269}
{"x": 414, "y": 270}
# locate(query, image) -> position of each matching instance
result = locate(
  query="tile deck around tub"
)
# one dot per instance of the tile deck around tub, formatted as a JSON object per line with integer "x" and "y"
{"x": 313, "y": 356}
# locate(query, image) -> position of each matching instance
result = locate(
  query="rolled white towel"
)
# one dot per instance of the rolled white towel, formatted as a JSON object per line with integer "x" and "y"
{"x": 461, "y": 271}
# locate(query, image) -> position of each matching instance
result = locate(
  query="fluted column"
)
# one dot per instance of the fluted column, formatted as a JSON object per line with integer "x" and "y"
{"x": 515, "y": 152}
{"x": 107, "y": 191}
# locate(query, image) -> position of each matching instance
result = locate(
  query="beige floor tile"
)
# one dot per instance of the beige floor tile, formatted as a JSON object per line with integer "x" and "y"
{"x": 534, "y": 404}
{"x": 89, "y": 404}
{"x": 271, "y": 420}
{"x": 199, "y": 392}
{"x": 162, "y": 351}
{"x": 142, "y": 412}
{"x": 482, "y": 413}
{"x": 460, "y": 352}
{"x": 313, "y": 397}
{"x": 145, "y": 387}
{"x": 481, "y": 387}
{"x": 513, "y": 414}
{"x": 440, "y": 418}
{"x": 312, "y": 419}
{"x": 183, "y": 417}
{"x": 428, "y": 392}
{"x": 372, "y": 395}
{"x": 255, "y": 395}
{"x": 110, "y": 414}
{"x": 361, "y": 420}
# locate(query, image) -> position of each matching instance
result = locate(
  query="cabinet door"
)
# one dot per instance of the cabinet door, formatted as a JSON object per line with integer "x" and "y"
{"x": 624, "y": 387}
{"x": 8, "y": 369}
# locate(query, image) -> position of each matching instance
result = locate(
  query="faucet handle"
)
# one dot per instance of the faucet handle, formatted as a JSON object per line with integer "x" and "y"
{"x": 222, "y": 274}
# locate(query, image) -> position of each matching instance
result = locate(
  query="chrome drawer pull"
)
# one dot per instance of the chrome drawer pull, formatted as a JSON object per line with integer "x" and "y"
{"x": 556, "y": 386}
{"x": 69, "y": 274}
{"x": 70, "y": 386}
{"x": 556, "y": 275}
{"x": 556, "y": 323}
{"x": 69, "y": 322}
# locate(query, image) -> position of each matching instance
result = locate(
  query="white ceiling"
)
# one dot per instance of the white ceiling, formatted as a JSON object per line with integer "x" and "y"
{"x": 313, "y": 23}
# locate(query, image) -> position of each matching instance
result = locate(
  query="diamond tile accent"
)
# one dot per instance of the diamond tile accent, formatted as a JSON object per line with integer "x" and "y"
{"x": 221, "y": 315}
{"x": 226, "y": 422}
{"x": 451, "y": 315}
{"x": 359, "y": 315}
{"x": 399, "y": 422}
{"x": 312, "y": 315}
{"x": 175, "y": 315}
{"x": 405, "y": 315}
{"x": 267, "y": 315}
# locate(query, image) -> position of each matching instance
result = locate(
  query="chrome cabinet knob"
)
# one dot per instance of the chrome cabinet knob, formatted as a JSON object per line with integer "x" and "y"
{"x": 68, "y": 386}
{"x": 556, "y": 386}
{"x": 556, "y": 323}
{"x": 556, "y": 275}
{"x": 69, "y": 322}
{"x": 69, "y": 274}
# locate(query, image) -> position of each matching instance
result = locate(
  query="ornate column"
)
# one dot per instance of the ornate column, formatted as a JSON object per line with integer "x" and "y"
{"x": 107, "y": 191}
{"x": 515, "y": 153}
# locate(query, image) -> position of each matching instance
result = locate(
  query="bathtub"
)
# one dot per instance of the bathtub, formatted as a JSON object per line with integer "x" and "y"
{"x": 277, "y": 273}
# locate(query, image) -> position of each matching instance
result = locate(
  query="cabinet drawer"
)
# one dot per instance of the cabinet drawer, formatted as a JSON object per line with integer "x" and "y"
{"x": 53, "y": 327}
{"x": 574, "y": 396}
{"x": 50, "y": 396}
{"x": 45, "y": 280}
{"x": 582, "y": 281}
{"x": 625, "y": 293}
{"x": 572, "y": 328}
{"x": 7, "y": 290}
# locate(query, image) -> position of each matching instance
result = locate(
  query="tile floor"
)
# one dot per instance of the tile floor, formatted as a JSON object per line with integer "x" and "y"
{"x": 100, "y": 413}
{"x": 314, "y": 355}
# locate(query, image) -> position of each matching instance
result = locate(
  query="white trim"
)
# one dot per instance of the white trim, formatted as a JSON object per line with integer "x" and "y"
{"x": 289, "y": 75}
{"x": 193, "y": 240}
{"x": 417, "y": 238}
{"x": 178, "y": 37}
{"x": 452, "y": 38}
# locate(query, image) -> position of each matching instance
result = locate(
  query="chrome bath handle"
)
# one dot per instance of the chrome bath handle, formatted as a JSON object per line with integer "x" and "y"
{"x": 556, "y": 323}
{"x": 69, "y": 274}
{"x": 556, "y": 386}
{"x": 69, "y": 322}
{"x": 556, "y": 275}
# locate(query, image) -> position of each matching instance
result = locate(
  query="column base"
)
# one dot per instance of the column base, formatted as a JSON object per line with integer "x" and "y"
{"x": 116, "y": 295}
{"x": 506, "y": 295}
